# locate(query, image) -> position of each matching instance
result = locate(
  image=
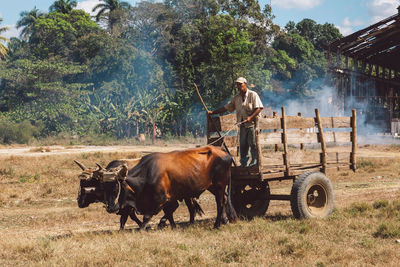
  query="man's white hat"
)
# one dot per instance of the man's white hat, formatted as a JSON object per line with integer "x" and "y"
{"x": 241, "y": 80}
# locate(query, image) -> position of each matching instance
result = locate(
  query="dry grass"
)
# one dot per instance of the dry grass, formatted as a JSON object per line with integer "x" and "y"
{"x": 40, "y": 223}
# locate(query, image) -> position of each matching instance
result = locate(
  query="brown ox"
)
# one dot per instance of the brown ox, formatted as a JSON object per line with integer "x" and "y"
{"x": 159, "y": 180}
{"x": 92, "y": 191}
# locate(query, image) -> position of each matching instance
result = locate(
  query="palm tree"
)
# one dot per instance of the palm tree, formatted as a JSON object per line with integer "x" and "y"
{"x": 3, "y": 48}
{"x": 27, "y": 21}
{"x": 108, "y": 7}
{"x": 63, "y": 6}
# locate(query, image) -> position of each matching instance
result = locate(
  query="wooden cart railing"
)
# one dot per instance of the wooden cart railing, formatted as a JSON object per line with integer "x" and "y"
{"x": 290, "y": 145}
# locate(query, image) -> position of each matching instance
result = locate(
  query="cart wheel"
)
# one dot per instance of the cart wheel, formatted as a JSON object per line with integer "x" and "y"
{"x": 251, "y": 200}
{"x": 312, "y": 196}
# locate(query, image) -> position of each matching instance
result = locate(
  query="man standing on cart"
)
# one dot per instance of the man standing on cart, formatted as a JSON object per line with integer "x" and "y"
{"x": 248, "y": 105}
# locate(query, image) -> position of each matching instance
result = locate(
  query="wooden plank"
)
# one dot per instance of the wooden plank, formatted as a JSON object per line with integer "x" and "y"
{"x": 222, "y": 123}
{"x": 336, "y": 122}
{"x": 337, "y": 137}
{"x": 295, "y": 122}
{"x": 213, "y": 124}
{"x": 300, "y": 136}
{"x": 270, "y": 138}
{"x": 227, "y": 122}
{"x": 269, "y": 123}
{"x": 309, "y": 158}
{"x": 301, "y": 158}
{"x": 273, "y": 175}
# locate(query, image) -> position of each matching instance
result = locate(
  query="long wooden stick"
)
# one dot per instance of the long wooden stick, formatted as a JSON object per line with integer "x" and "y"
{"x": 201, "y": 99}
{"x": 215, "y": 127}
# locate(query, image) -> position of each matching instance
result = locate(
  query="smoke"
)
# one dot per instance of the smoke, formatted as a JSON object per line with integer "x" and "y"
{"x": 320, "y": 97}
{"x": 372, "y": 116}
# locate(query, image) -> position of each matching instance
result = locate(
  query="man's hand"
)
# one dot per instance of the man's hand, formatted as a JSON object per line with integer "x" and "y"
{"x": 248, "y": 119}
{"x": 209, "y": 113}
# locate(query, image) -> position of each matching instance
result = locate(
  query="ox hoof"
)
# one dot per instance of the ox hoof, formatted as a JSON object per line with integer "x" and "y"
{"x": 162, "y": 225}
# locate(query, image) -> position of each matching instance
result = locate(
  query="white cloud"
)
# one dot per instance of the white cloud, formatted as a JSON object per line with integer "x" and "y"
{"x": 297, "y": 4}
{"x": 348, "y": 23}
{"x": 88, "y": 6}
{"x": 347, "y": 26}
{"x": 345, "y": 30}
{"x": 381, "y": 9}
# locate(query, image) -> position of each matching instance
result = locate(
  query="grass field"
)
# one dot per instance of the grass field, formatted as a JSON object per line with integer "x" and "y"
{"x": 41, "y": 224}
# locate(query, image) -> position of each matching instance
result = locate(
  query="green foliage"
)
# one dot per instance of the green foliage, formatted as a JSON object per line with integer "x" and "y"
{"x": 56, "y": 33}
{"x": 75, "y": 78}
{"x": 64, "y": 115}
{"x": 27, "y": 22}
{"x": 22, "y": 132}
{"x": 3, "y": 48}
{"x": 26, "y": 79}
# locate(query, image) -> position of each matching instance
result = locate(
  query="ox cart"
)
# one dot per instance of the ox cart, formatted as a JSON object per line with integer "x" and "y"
{"x": 294, "y": 148}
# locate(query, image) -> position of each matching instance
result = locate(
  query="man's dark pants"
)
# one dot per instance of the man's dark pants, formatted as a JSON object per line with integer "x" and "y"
{"x": 247, "y": 140}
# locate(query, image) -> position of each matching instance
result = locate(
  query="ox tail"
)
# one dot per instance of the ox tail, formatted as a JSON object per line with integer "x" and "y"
{"x": 197, "y": 209}
{"x": 230, "y": 210}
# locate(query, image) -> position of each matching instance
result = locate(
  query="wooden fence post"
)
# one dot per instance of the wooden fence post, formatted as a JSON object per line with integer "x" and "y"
{"x": 301, "y": 144}
{"x": 259, "y": 148}
{"x": 322, "y": 140}
{"x": 274, "y": 114}
{"x": 353, "y": 140}
{"x": 284, "y": 141}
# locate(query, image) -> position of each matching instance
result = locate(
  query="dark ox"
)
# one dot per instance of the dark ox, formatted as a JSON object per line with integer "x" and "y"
{"x": 92, "y": 190}
{"x": 159, "y": 180}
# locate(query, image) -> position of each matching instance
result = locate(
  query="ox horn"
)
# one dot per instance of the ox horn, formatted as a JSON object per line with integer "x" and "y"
{"x": 99, "y": 166}
{"x": 123, "y": 172}
{"x": 80, "y": 165}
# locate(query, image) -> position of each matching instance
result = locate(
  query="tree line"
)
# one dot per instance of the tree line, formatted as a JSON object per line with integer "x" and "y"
{"x": 131, "y": 67}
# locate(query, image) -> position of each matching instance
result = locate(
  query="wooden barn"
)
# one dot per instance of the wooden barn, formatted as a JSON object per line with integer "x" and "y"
{"x": 364, "y": 69}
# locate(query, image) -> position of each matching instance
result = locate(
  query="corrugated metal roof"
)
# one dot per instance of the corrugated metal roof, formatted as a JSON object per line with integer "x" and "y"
{"x": 377, "y": 44}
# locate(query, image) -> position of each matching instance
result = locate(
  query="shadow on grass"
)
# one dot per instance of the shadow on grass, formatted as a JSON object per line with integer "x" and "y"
{"x": 153, "y": 227}
{"x": 207, "y": 223}
{"x": 278, "y": 217}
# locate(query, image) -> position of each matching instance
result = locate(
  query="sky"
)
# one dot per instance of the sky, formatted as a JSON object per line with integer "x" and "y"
{"x": 347, "y": 15}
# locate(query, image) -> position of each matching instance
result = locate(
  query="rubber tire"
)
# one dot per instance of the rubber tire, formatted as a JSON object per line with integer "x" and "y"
{"x": 312, "y": 196}
{"x": 240, "y": 200}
